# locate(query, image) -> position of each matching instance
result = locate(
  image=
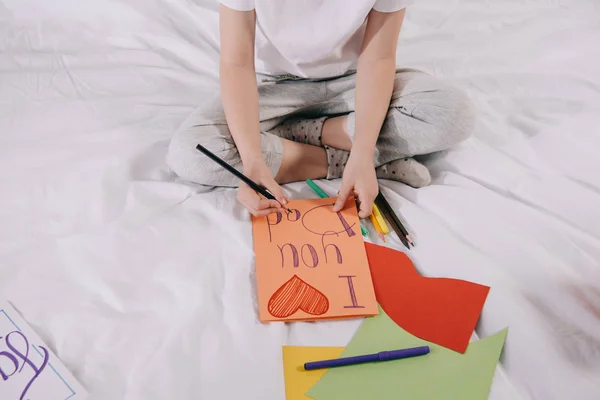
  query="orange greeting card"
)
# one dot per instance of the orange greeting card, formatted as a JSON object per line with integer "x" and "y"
{"x": 311, "y": 263}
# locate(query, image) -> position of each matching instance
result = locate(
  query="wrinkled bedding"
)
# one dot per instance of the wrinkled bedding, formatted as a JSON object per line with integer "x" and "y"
{"x": 143, "y": 284}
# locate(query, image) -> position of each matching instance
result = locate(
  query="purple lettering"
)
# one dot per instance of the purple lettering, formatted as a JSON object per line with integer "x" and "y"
{"x": 295, "y": 258}
{"x": 25, "y": 357}
{"x": 347, "y": 227}
{"x": 352, "y": 292}
{"x": 326, "y": 246}
{"x": 14, "y": 361}
{"x": 313, "y": 254}
{"x": 278, "y": 218}
{"x": 295, "y": 213}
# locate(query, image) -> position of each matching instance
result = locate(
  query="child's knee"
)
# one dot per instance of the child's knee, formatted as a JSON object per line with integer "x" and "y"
{"x": 437, "y": 102}
{"x": 188, "y": 163}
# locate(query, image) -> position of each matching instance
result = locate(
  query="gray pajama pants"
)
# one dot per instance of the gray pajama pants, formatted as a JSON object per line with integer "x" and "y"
{"x": 425, "y": 115}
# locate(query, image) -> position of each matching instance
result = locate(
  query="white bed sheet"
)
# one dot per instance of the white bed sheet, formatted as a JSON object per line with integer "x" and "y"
{"x": 143, "y": 284}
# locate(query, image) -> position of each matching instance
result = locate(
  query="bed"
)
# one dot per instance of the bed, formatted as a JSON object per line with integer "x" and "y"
{"x": 143, "y": 284}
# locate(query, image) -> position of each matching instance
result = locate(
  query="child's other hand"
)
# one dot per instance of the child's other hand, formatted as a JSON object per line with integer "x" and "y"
{"x": 254, "y": 202}
{"x": 359, "y": 179}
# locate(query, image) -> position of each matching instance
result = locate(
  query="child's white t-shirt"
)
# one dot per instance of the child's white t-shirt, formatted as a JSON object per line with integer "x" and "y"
{"x": 310, "y": 38}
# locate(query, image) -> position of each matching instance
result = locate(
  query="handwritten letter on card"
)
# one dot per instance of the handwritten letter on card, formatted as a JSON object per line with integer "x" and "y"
{"x": 28, "y": 369}
{"x": 311, "y": 263}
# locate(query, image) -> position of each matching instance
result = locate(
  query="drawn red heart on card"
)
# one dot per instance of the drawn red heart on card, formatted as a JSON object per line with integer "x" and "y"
{"x": 440, "y": 310}
{"x": 296, "y": 295}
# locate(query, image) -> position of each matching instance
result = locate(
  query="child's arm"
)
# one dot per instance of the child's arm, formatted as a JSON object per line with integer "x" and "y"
{"x": 374, "y": 85}
{"x": 239, "y": 93}
{"x": 239, "y": 90}
{"x": 375, "y": 77}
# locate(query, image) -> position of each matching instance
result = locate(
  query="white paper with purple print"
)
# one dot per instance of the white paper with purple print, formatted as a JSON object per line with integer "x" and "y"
{"x": 28, "y": 369}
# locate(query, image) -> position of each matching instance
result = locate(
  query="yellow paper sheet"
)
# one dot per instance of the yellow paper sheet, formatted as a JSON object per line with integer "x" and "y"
{"x": 297, "y": 380}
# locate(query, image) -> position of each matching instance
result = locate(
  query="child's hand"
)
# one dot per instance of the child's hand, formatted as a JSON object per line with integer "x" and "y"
{"x": 255, "y": 203}
{"x": 359, "y": 179}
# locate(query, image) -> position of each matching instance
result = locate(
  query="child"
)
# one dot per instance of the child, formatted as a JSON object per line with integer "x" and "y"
{"x": 327, "y": 102}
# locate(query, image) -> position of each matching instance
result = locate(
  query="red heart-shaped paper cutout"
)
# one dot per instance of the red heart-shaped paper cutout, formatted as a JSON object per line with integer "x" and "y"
{"x": 440, "y": 310}
{"x": 296, "y": 295}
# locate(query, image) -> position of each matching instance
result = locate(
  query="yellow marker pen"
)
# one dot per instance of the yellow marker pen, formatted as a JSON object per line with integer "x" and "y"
{"x": 380, "y": 220}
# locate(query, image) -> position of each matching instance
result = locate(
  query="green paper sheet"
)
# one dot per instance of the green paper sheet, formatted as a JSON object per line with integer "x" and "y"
{"x": 442, "y": 374}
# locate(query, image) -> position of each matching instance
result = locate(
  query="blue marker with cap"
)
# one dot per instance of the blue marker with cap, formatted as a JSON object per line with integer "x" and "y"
{"x": 381, "y": 356}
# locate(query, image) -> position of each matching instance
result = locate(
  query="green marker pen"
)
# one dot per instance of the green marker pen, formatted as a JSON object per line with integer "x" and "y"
{"x": 324, "y": 195}
{"x": 317, "y": 189}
